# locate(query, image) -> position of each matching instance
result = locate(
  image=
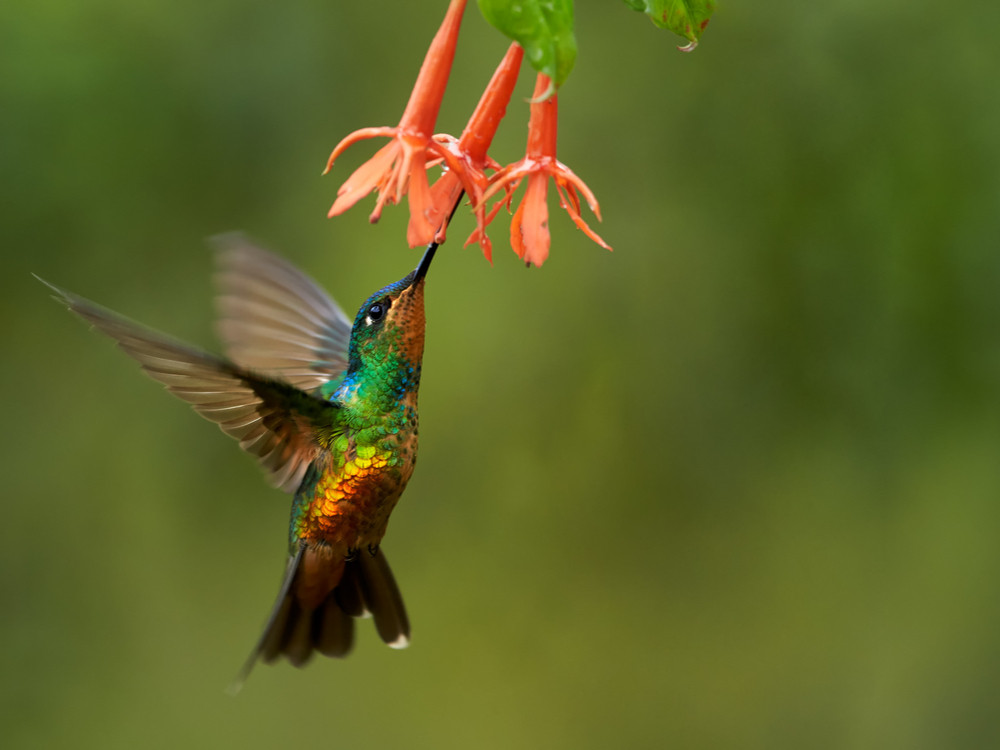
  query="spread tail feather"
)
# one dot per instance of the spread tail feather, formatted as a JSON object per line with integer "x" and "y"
{"x": 366, "y": 588}
{"x": 382, "y": 598}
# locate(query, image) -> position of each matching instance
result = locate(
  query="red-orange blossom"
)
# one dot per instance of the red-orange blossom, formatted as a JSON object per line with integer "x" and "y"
{"x": 400, "y": 167}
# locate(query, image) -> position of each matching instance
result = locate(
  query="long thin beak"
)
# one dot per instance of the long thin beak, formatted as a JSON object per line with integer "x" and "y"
{"x": 425, "y": 263}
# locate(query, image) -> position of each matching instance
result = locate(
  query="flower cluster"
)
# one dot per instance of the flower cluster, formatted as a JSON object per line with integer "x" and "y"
{"x": 400, "y": 167}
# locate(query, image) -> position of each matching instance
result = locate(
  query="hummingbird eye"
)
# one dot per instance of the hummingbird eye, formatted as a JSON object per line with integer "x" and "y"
{"x": 376, "y": 311}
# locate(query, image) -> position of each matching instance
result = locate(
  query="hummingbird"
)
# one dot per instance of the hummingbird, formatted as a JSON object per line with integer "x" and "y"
{"x": 330, "y": 411}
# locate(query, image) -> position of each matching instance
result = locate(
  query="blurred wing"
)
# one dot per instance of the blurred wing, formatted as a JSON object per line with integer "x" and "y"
{"x": 274, "y": 319}
{"x": 272, "y": 420}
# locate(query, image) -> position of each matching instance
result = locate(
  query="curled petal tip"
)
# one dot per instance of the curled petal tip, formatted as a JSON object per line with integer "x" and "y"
{"x": 486, "y": 245}
{"x": 690, "y": 46}
{"x": 585, "y": 228}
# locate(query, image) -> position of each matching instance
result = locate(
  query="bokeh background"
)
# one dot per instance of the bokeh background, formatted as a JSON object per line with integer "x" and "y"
{"x": 734, "y": 485}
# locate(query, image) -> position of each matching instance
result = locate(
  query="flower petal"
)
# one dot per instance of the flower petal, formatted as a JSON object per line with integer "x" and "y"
{"x": 508, "y": 178}
{"x": 352, "y": 138}
{"x": 529, "y": 229}
{"x": 567, "y": 175}
{"x": 369, "y": 176}
{"x": 444, "y": 194}
{"x": 572, "y": 207}
{"x": 479, "y": 233}
{"x": 420, "y": 230}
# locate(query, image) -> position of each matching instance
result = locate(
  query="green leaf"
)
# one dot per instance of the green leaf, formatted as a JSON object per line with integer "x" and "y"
{"x": 688, "y": 18}
{"x": 543, "y": 27}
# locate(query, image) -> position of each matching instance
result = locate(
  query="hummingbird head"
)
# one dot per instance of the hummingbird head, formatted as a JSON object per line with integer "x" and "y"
{"x": 388, "y": 333}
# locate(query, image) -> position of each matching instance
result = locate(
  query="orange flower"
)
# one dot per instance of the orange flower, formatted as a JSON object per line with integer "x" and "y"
{"x": 529, "y": 228}
{"x": 471, "y": 149}
{"x": 399, "y": 168}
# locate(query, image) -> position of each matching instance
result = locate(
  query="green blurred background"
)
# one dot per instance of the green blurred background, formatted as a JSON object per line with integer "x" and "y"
{"x": 734, "y": 485}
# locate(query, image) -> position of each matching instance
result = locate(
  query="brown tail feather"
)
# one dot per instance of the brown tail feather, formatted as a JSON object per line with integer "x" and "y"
{"x": 367, "y": 587}
{"x": 382, "y": 598}
{"x": 348, "y": 592}
{"x": 332, "y": 629}
{"x": 272, "y": 642}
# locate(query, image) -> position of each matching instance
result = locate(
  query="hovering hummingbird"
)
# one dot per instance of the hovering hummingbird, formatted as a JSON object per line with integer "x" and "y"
{"x": 329, "y": 410}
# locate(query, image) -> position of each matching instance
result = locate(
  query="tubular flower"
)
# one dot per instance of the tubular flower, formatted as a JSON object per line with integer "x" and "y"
{"x": 529, "y": 228}
{"x": 471, "y": 149}
{"x": 399, "y": 168}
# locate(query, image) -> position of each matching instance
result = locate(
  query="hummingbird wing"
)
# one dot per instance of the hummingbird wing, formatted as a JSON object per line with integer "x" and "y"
{"x": 272, "y": 420}
{"x": 274, "y": 319}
